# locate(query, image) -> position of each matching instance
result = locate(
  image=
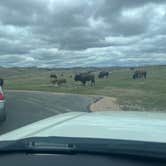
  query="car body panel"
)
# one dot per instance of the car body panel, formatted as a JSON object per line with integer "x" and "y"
{"x": 127, "y": 125}
{"x": 2, "y": 106}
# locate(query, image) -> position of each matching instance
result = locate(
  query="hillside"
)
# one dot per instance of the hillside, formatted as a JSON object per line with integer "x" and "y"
{"x": 131, "y": 94}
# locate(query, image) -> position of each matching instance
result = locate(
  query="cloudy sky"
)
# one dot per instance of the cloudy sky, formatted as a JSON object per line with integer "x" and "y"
{"x": 68, "y": 33}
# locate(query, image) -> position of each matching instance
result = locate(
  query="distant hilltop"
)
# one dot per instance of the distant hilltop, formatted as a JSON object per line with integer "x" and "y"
{"x": 81, "y": 68}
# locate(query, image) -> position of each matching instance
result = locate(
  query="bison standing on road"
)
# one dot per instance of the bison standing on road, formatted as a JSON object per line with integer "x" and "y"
{"x": 84, "y": 77}
{"x": 103, "y": 74}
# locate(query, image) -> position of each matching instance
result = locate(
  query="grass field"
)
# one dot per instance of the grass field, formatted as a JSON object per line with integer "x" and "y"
{"x": 131, "y": 94}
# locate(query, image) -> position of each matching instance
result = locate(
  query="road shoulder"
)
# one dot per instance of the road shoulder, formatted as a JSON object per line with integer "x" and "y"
{"x": 105, "y": 104}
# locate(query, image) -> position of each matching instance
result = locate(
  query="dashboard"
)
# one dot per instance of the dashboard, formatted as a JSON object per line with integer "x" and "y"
{"x": 20, "y": 159}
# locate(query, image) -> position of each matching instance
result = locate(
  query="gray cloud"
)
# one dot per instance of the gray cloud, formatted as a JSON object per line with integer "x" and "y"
{"x": 87, "y": 33}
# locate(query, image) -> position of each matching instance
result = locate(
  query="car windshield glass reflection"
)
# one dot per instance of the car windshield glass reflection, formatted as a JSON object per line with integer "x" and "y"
{"x": 83, "y": 69}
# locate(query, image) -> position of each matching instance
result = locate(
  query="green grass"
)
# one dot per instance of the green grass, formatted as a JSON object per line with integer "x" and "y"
{"x": 131, "y": 94}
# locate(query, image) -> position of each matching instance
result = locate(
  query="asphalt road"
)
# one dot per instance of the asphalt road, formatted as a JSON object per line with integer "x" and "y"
{"x": 27, "y": 107}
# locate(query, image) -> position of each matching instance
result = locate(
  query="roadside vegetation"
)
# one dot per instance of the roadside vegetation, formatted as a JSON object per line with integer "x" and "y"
{"x": 149, "y": 94}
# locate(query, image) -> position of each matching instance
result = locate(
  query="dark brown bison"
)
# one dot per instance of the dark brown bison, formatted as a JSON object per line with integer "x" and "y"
{"x": 53, "y": 76}
{"x": 103, "y": 74}
{"x": 132, "y": 68}
{"x": 140, "y": 74}
{"x": 84, "y": 77}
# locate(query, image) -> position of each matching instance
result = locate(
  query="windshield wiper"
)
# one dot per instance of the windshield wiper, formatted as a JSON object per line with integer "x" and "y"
{"x": 49, "y": 147}
{"x": 66, "y": 145}
{"x": 34, "y": 146}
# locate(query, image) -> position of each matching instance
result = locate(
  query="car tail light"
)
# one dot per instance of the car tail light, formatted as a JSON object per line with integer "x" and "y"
{"x": 2, "y": 97}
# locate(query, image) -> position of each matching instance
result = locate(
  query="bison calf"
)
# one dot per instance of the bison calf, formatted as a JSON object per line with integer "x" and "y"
{"x": 59, "y": 81}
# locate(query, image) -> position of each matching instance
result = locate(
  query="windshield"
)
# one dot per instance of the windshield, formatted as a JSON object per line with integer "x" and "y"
{"x": 83, "y": 69}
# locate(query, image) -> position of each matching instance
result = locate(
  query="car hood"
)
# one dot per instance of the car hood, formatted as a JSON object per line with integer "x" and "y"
{"x": 127, "y": 125}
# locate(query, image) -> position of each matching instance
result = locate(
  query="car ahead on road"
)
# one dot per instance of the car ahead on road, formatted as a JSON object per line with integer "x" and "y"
{"x": 99, "y": 138}
{"x": 2, "y": 102}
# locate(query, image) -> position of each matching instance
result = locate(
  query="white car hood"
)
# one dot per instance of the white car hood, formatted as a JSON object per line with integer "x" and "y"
{"x": 142, "y": 126}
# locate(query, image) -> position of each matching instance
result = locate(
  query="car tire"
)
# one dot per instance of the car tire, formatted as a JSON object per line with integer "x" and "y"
{"x": 4, "y": 117}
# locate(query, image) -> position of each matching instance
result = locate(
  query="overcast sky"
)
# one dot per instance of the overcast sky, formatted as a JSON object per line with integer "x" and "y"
{"x": 68, "y": 33}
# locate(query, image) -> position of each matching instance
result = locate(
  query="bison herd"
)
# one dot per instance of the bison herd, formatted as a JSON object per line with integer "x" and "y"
{"x": 139, "y": 74}
{"x": 90, "y": 77}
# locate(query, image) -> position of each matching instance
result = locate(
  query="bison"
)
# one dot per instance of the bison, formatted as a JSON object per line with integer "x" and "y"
{"x": 103, "y": 74}
{"x": 84, "y": 77}
{"x": 132, "y": 68}
{"x": 53, "y": 76}
{"x": 59, "y": 81}
{"x": 138, "y": 74}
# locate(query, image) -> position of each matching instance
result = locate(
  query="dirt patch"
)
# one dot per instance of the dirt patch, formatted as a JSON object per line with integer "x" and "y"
{"x": 105, "y": 104}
